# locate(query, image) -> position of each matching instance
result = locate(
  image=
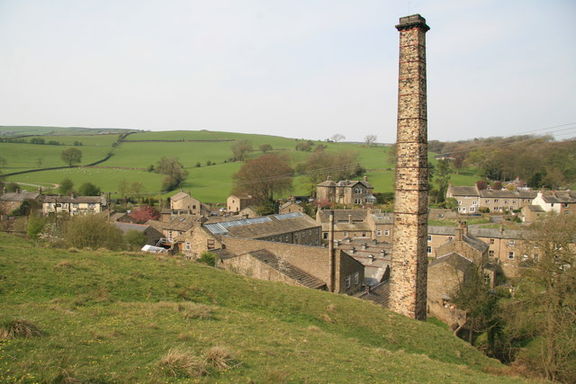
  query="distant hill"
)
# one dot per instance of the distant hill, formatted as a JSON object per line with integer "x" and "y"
{"x": 19, "y": 131}
{"x": 105, "y": 317}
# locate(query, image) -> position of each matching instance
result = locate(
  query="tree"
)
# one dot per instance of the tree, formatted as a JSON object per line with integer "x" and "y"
{"x": 240, "y": 149}
{"x": 391, "y": 155}
{"x": 544, "y": 304}
{"x": 337, "y": 138}
{"x": 265, "y": 148}
{"x": 89, "y": 189}
{"x": 370, "y": 140}
{"x": 442, "y": 175}
{"x": 66, "y": 187}
{"x": 92, "y": 231}
{"x": 71, "y": 156}
{"x": 304, "y": 145}
{"x": 35, "y": 226}
{"x": 12, "y": 187}
{"x": 174, "y": 171}
{"x": 264, "y": 177}
{"x": 144, "y": 213}
{"x": 339, "y": 166}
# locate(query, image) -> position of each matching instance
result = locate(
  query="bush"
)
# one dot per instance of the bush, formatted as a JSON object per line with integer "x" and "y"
{"x": 35, "y": 226}
{"x": 12, "y": 329}
{"x": 92, "y": 231}
{"x": 208, "y": 259}
{"x": 88, "y": 189}
{"x": 135, "y": 240}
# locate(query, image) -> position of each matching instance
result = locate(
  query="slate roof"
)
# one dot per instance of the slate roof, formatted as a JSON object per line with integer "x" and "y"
{"x": 287, "y": 269}
{"x": 383, "y": 218}
{"x": 179, "y": 196}
{"x": 454, "y": 259}
{"x": 176, "y": 223}
{"x": 345, "y": 183}
{"x": 19, "y": 196}
{"x": 506, "y": 194}
{"x": 265, "y": 226}
{"x": 475, "y": 243}
{"x": 74, "y": 199}
{"x": 342, "y": 215}
{"x": 380, "y": 294}
{"x": 463, "y": 191}
{"x": 125, "y": 227}
{"x": 559, "y": 196}
{"x": 495, "y": 233}
{"x": 535, "y": 208}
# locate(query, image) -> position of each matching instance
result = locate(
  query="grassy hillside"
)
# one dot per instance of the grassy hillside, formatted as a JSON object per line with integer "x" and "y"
{"x": 209, "y": 184}
{"x": 22, "y": 130}
{"x": 107, "y": 317}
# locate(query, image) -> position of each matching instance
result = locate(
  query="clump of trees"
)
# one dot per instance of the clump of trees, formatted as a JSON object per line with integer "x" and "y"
{"x": 338, "y": 165}
{"x": 264, "y": 177}
{"x": 66, "y": 187}
{"x": 71, "y": 156}
{"x": 241, "y": 149}
{"x": 89, "y": 189}
{"x": 92, "y": 231}
{"x": 533, "y": 324}
{"x": 265, "y": 148}
{"x": 304, "y": 145}
{"x": 539, "y": 160}
{"x": 174, "y": 171}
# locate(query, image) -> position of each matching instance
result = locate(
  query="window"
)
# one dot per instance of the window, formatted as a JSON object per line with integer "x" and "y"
{"x": 357, "y": 201}
{"x": 386, "y": 232}
{"x": 363, "y": 234}
{"x": 511, "y": 243}
{"x": 491, "y": 253}
{"x": 378, "y": 232}
{"x": 325, "y": 235}
{"x": 429, "y": 249}
{"x": 429, "y": 237}
{"x": 347, "y": 281}
{"x": 511, "y": 255}
{"x": 491, "y": 241}
{"x": 472, "y": 209}
{"x": 187, "y": 246}
{"x": 357, "y": 278}
{"x": 450, "y": 237}
{"x": 459, "y": 202}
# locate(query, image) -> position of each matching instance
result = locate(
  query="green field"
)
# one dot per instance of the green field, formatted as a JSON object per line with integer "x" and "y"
{"x": 107, "y": 317}
{"x": 209, "y": 184}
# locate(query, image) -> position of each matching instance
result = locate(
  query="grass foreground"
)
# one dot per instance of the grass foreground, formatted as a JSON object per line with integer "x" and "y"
{"x": 105, "y": 317}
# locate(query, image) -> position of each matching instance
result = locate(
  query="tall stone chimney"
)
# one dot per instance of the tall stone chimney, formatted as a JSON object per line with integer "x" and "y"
{"x": 331, "y": 256}
{"x": 409, "y": 257}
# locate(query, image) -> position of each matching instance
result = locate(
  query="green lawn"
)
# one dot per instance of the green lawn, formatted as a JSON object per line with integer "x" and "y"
{"x": 110, "y": 317}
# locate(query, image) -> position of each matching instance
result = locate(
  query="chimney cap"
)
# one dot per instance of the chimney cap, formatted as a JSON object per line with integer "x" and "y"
{"x": 412, "y": 21}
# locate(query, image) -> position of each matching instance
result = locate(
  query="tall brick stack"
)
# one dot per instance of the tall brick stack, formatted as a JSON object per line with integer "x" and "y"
{"x": 409, "y": 257}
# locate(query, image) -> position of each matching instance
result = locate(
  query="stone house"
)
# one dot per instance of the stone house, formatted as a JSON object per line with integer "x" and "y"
{"x": 248, "y": 213}
{"x": 182, "y": 202}
{"x": 176, "y": 226}
{"x": 11, "y": 201}
{"x": 313, "y": 260}
{"x": 236, "y": 203}
{"x": 357, "y": 224}
{"x": 290, "y": 206}
{"x": 560, "y": 202}
{"x": 531, "y": 213}
{"x": 471, "y": 199}
{"x": 506, "y": 247}
{"x": 265, "y": 265}
{"x": 73, "y": 205}
{"x": 292, "y": 228}
{"x": 375, "y": 256}
{"x": 467, "y": 198}
{"x": 346, "y": 192}
{"x": 456, "y": 262}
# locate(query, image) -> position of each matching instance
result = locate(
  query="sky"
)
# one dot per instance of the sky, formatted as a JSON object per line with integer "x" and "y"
{"x": 299, "y": 68}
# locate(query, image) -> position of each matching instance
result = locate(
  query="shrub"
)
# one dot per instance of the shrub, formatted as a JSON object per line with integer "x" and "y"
{"x": 179, "y": 362}
{"x": 135, "y": 239}
{"x": 92, "y": 231}
{"x": 208, "y": 259}
{"x": 35, "y": 226}
{"x": 12, "y": 329}
{"x": 219, "y": 358}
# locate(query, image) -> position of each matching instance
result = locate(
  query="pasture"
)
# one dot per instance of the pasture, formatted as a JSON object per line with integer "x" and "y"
{"x": 211, "y": 184}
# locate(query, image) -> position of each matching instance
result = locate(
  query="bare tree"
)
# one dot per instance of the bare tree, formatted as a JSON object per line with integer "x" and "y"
{"x": 370, "y": 140}
{"x": 337, "y": 138}
{"x": 264, "y": 177}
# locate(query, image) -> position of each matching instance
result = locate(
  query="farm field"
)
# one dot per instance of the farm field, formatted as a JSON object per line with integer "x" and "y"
{"x": 211, "y": 184}
{"x": 109, "y": 317}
